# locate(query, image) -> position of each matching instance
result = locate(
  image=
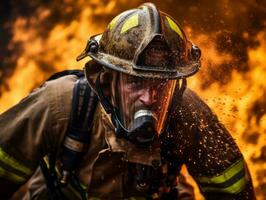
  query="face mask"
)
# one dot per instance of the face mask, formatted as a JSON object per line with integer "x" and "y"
{"x": 141, "y": 106}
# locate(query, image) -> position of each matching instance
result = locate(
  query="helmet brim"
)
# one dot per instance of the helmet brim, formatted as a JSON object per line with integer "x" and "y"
{"x": 125, "y": 66}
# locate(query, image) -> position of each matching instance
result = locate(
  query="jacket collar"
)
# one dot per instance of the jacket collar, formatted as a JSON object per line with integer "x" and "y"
{"x": 149, "y": 156}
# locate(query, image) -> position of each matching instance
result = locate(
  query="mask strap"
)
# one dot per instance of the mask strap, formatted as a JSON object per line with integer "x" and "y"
{"x": 110, "y": 109}
{"x": 104, "y": 100}
{"x": 182, "y": 89}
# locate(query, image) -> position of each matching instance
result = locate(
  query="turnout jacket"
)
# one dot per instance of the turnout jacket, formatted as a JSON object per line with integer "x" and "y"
{"x": 36, "y": 126}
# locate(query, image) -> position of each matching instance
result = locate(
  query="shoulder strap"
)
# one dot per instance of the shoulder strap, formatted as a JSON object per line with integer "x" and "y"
{"x": 79, "y": 73}
{"x": 78, "y": 134}
{"x": 76, "y": 142}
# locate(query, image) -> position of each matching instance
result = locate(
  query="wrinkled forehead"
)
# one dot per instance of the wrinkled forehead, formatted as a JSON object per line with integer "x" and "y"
{"x": 142, "y": 83}
{"x": 132, "y": 78}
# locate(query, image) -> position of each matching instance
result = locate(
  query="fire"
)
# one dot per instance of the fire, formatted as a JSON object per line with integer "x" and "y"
{"x": 237, "y": 98}
{"x": 55, "y": 52}
{"x": 233, "y": 104}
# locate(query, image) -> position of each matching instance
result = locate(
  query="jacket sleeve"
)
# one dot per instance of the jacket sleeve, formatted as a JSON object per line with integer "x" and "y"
{"x": 210, "y": 153}
{"x": 29, "y": 130}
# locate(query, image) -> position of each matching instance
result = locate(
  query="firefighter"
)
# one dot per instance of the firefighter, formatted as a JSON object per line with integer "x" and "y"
{"x": 146, "y": 126}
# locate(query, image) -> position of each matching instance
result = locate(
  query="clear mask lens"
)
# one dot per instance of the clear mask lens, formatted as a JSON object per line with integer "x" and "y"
{"x": 142, "y": 102}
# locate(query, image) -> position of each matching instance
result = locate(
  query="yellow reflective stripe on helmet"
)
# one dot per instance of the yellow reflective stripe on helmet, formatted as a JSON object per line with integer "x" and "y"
{"x": 12, "y": 162}
{"x": 112, "y": 23}
{"x": 11, "y": 176}
{"x": 145, "y": 8}
{"x": 174, "y": 26}
{"x": 130, "y": 23}
{"x": 232, "y": 180}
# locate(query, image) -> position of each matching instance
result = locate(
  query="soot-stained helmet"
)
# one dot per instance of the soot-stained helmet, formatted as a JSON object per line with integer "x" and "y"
{"x": 144, "y": 42}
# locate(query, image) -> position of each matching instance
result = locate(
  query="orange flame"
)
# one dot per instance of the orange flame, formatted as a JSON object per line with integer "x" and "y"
{"x": 232, "y": 102}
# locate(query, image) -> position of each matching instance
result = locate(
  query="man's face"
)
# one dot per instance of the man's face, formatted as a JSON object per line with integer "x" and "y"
{"x": 143, "y": 95}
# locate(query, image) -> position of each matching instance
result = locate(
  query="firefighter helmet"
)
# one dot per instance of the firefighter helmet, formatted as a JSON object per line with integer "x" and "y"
{"x": 144, "y": 42}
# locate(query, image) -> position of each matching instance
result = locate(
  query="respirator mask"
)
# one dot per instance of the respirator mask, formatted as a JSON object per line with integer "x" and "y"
{"x": 140, "y": 106}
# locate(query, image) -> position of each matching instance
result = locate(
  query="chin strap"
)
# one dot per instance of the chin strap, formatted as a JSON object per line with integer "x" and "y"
{"x": 120, "y": 130}
{"x": 110, "y": 109}
{"x": 183, "y": 87}
{"x": 179, "y": 92}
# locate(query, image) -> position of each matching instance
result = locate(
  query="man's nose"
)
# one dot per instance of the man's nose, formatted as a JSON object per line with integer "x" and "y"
{"x": 148, "y": 97}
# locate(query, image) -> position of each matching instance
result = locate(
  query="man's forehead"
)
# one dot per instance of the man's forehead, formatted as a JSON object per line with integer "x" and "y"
{"x": 126, "y": 78}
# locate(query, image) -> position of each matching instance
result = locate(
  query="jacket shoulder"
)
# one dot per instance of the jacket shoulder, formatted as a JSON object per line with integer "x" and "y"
{"x": 193, "y": 103}
{"x": 55, "y": 92}
{"x": 188, "y": 120}
{"x": 62, "y": 84}
{"x": 59, "y": 94}
{"x": 193, "y": 109}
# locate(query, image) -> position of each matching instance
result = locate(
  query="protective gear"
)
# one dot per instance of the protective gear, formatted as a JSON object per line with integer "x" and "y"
{"x": 142, "y": 110}
{"x": 44, "y": 115}
{"x": 146, "y": 44}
